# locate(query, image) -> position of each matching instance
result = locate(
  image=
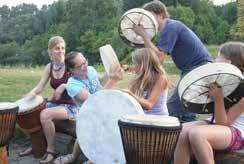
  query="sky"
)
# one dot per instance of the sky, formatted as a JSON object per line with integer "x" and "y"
{"x": 39, "y": 3}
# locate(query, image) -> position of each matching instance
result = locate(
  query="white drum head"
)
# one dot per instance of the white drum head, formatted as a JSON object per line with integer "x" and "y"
{"x": 157, "y": 120}
{"x": 109, "y": 58}
{"x": 7, "y": 105}
{"x": 97, "y": 125}
{"x": 194, "y": 86}
{"x": 25, "y": 104}
{"x": 137, "y": 16}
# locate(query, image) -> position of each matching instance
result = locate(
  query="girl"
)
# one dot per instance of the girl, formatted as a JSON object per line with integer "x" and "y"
{"x": 61, "y": 106}
{"x": 228, "y": 131}
{"x": 149, "y": 86}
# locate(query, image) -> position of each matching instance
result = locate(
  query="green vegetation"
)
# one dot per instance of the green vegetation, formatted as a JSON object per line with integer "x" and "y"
{"x": 88, "y": 25}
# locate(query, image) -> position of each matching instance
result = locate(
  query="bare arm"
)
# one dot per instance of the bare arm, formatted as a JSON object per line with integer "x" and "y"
{"x": 42, "y": 83}
{"x": 58, "y": 92}
{"x": 223, "y": 117}
{"x": 139, "y": 30}
{"x": 113, "y": 78}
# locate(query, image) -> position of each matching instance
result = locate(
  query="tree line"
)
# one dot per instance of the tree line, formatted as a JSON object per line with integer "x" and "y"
{"x": 88, "y": 25}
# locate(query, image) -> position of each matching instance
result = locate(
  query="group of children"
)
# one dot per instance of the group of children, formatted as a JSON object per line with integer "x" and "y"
{"x": 74, "y": 81}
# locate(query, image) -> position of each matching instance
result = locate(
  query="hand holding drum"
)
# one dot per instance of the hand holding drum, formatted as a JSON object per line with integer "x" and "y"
{"x": 139, "y": 20}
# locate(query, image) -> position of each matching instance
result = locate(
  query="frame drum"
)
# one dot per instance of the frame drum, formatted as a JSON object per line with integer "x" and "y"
{"x": 137, "y": 16}
{"x": 8, "y": 114}
{"x": 109, "y": 59}
{"x": 29, "y": 122}
{"x": 97, "y": 130}
{"x": 193, "y": 87}
{"x": 149, "y": 138}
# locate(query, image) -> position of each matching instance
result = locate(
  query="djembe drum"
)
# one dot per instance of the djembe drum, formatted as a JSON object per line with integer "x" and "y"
{"x": 8, "y": 113}
{"x": 97, "y": 130}
{"x": 149, "y": 138}
{"x": 137, "y": 16}
{"x": 29, "y": 122}
{"x": 194, "y": 86}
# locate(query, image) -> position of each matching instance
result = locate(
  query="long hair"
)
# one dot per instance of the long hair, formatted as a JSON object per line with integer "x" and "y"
{"x": 149, "y": 70}
{"x": 234, "y": 51}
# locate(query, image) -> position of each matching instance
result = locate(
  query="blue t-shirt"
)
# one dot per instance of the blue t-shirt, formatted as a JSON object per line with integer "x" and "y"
{"x": 76, "y": 85}
{"x": 186, "y": 49}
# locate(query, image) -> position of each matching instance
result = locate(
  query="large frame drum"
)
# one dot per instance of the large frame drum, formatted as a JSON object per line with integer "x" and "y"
{"x": 149, "y": 139}
{"x": 29, "y": 122}
{"x": 8, "y": 114}
{"x": 137, "y": 16}
{"x": 193, "y": 87}
{"x": 96, "y": 125}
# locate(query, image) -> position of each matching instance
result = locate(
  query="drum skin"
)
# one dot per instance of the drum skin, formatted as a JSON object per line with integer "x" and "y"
{"x": 29, "y": 122}
{"x": 137, "y": 16}
{"x": 109, "y": 59}
{"x": 146, "y": 143}
{"x": 97, "y": 129}
{"x": 193, "y": 87}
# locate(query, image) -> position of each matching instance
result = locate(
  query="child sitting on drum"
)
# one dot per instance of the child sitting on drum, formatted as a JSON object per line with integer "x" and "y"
{"x": 84, "y": 82}
{"x": 150, "y": 84}
{"x": 227, "y": 133}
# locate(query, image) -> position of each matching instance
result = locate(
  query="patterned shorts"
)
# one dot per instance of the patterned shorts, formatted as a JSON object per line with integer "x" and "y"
{"x": 236, "y": 142}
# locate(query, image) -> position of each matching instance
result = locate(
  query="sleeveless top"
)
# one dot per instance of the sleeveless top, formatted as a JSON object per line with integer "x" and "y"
{"x": 160, "y": 107}
{"x": 55, "y": 83}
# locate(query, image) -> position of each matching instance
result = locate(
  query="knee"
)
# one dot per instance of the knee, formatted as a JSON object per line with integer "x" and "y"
{"x": 195, "y": 136}
{"x": 44, "y": 116}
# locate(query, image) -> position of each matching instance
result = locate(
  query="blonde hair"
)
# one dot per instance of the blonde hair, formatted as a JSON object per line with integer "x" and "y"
{"x": 233, "y": 51}
{"x": 53, "y": 41}
{"x": 150, "y": 70}
{"x": 157, "y": 7}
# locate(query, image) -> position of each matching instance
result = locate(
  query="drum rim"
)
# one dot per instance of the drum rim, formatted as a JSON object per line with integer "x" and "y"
{"x": 157, "y": 127}
{"x": 181, "y": 96}
{"x": 121, "y": 34}
{"x": 10, "y": 110}
{"x": 33, "y": 109}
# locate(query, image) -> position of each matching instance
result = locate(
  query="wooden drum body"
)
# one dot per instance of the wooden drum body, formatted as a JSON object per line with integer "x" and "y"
{"x": 149, "y": 138}
{"x": 8, "y": 113}
{"x": 29, "y": 122}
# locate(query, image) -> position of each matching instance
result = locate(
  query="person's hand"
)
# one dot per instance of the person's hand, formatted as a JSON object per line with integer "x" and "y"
{"x": 117, "y": 75}
{"x": 30, "y": 95}
{"x": 139, "y": 30}
{"x": 215, "y": 91}
{"x": 58, "y": 92}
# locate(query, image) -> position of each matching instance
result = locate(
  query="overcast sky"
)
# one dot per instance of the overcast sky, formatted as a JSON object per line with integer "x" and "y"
{"x": 39, "y": 3}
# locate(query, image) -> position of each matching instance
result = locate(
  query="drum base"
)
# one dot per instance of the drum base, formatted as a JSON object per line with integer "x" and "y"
{"x": 3, "y": 155}
{"x": 39, "y": 144}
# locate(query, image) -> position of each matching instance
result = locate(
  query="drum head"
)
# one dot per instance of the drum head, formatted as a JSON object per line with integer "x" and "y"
{"x": 109, "y": 58}
{"x": 194, "y": 86}
{"x": 137, "y": 16}
{"x": 7, "y": 106}
{"x": 97, "y": 127}
{"x": 156, "y": 120}
{"x": 27, "y": 104}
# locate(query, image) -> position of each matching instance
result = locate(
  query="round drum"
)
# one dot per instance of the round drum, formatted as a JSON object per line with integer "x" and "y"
{"x": 109, "y": 59}
{"x": 29, "y": 122}
{"x": 149, "y": 138}
{"x": 8, "y": 114}
{"x": 97, "y": 130}
{"x": 194, "y": 86}
{"x": 137, "y": 16}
